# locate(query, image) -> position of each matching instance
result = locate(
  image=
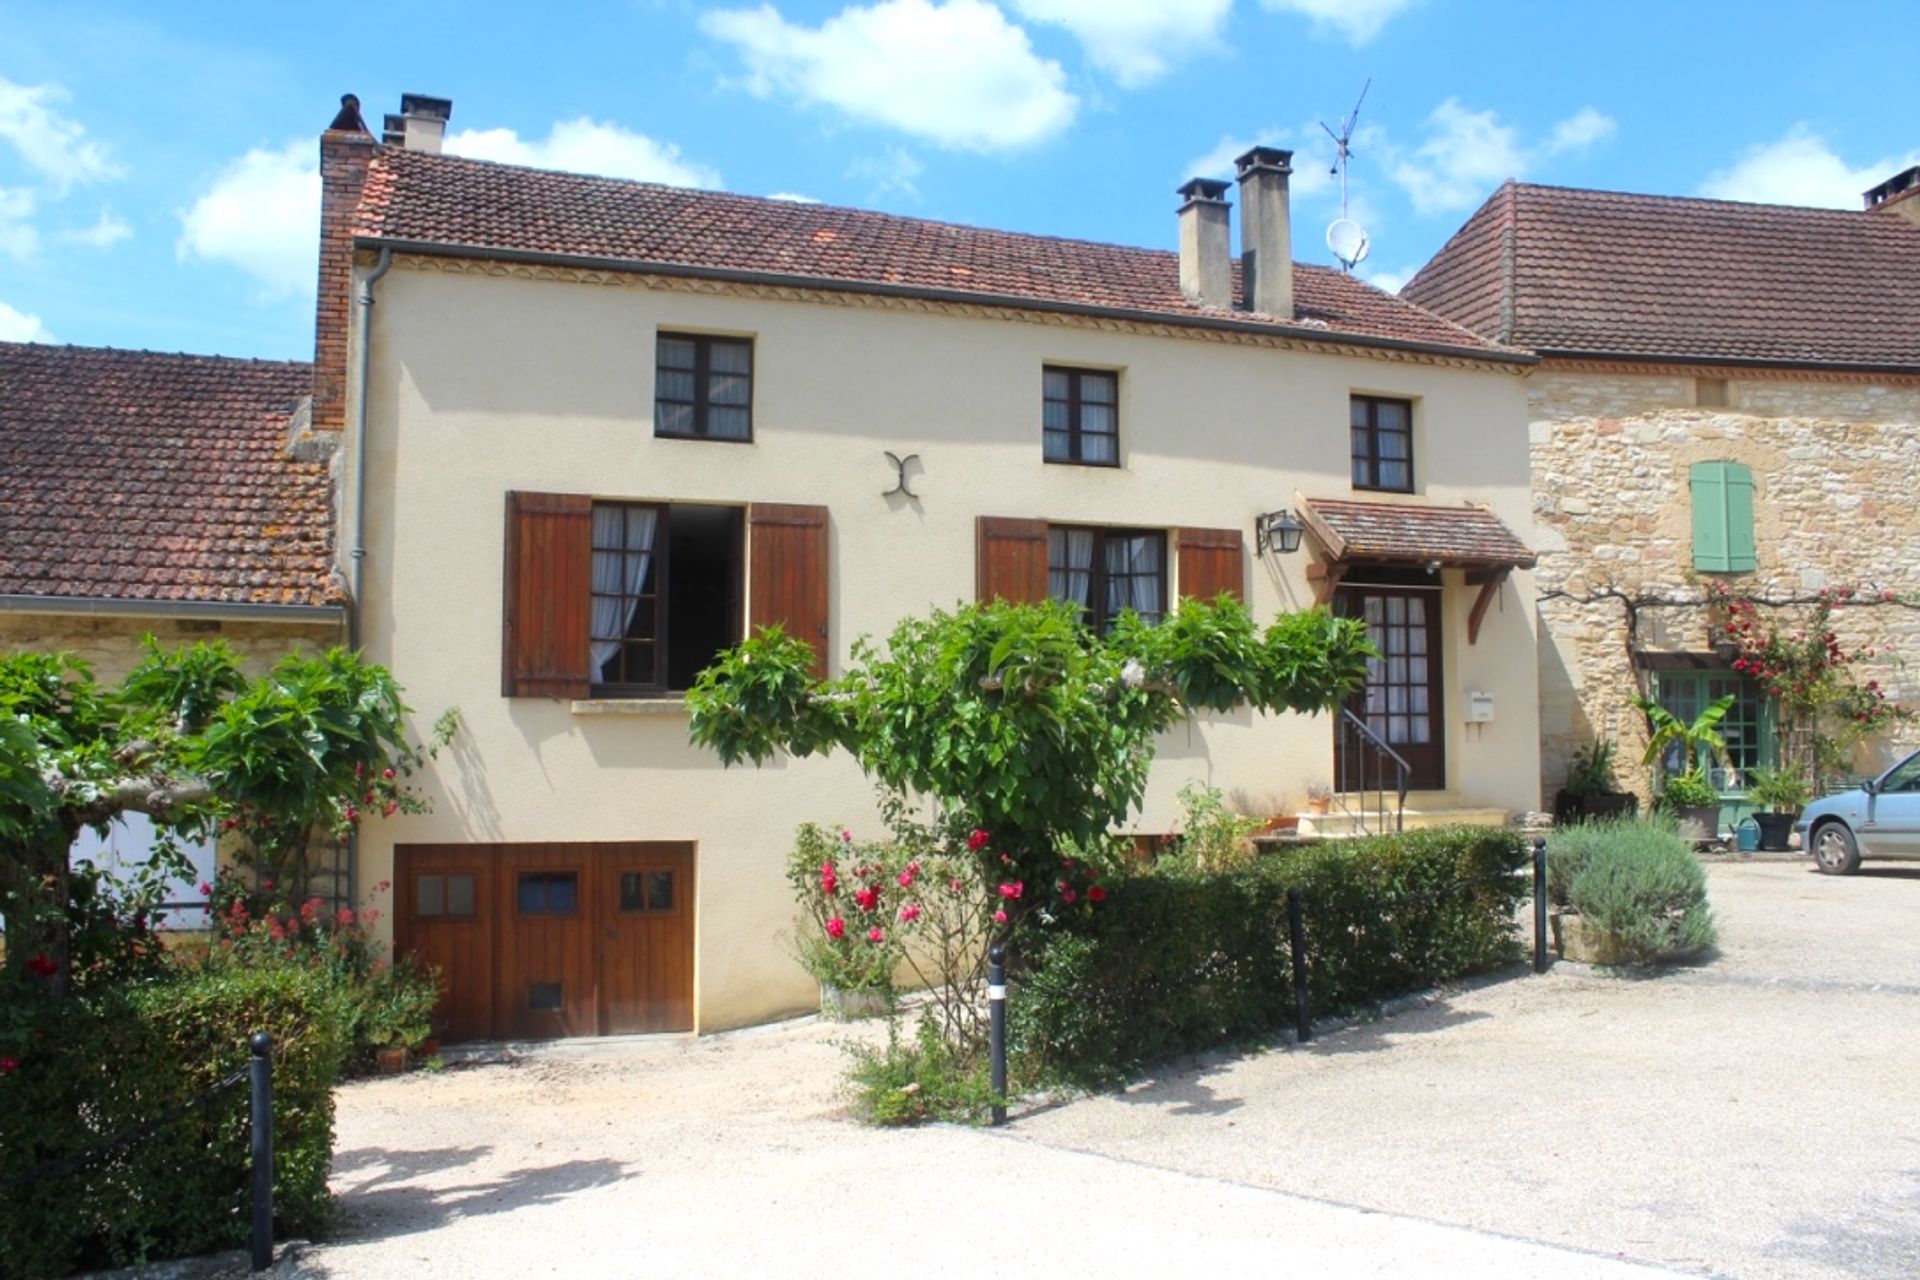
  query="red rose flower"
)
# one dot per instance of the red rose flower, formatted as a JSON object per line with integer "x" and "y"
{"x": 905, "y": 879}
{"x": 910, "y": 913}
{"x": 8, "y": 1066}
{"x": 977, "y": 840}
{"x": 1012, "y": 889}
{"x": 836, "y": 928}
{"x": 1096, "y": 894}
{"x": 42, "y": 966}
{"x": 999, "y": 917}
{"x": 829, "y": 879}
{"x": 1069, "y": 897}
{"x": 868, "y": 899}
{"x": 876, "y": 934}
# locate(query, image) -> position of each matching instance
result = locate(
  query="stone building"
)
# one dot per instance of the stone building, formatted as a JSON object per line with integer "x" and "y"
{"x": 1726, "y": 392}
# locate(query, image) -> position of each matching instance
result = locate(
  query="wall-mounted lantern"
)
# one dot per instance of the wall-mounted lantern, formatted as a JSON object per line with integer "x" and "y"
{"x": 1277, "y": 531}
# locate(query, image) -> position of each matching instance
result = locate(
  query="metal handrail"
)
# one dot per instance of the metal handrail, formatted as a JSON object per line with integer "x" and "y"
{"x": 1380, "y": 749}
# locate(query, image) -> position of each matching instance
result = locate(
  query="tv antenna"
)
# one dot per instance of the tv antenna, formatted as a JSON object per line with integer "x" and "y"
{"x": 1347, "y": 239}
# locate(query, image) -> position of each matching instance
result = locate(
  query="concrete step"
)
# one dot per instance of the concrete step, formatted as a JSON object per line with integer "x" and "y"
{"x": 1421, "y": 812}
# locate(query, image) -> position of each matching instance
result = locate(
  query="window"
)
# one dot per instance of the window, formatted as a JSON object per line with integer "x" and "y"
{"x": 646, "y": 891}
{"x": 1080, "y": 416}
{"x": 549, "y": 893}
{"x": 703, "y": 387}
{"x": 1748, "y": 727}
{"x": 1382, "y": 444}
{"x": 443, "y": 896}
{"x": 665, "y": 593}
{"x": 1107, "y": 570}
{"x": 1722, "y": 517}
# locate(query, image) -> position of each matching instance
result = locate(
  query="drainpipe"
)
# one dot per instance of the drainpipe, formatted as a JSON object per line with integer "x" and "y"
{"x": 359, "y": 551}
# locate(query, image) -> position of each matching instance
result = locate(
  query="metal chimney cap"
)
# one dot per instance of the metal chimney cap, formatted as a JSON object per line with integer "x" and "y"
{"x": 1269, "y": 158}
{"x": 1203, "y": 191}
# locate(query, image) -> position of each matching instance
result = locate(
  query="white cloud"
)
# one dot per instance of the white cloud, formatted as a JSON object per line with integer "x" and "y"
{"x": 1310, "y": 177}
{"x": 52, "y": 145}
{"x": 891, "y": 175}
{"x": 955, "y": 73}
{"x": 262, "y": 214}
{"x": 793, "y": 198}
{"x": 1358, "y": 20}
{"x": 18, "y": 238}
{"x": 1801, "y": 169}
{"x": 1135, "y": 41}
{"x": 1466, "y": 154}
{"x": 18, "y": 326}
{"x": 107, "y": 230}
{"x": 584, "y": 145}
{"x": 1391, "y": 281}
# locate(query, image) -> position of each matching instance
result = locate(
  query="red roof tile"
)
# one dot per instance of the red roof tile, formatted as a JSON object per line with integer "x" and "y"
{"x": 1455, "y": 536}
{"x": 1599, "y": 272}
{"x": 140, "y": 476}
{"x": 446, "y": 201}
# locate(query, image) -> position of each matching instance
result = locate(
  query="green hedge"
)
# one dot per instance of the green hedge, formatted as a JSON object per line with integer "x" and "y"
{"x": 1177, "y": 960}
{"x": 93, "y": 1067}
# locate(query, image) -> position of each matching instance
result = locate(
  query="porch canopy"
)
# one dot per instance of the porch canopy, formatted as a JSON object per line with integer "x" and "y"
{"x": 1402, "y": 534}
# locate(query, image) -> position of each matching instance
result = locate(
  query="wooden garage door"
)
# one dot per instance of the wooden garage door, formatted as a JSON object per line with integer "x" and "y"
{"x": 537, "y": 941}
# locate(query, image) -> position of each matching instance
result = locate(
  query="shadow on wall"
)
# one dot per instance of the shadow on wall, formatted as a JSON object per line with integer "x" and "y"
{"x": 472, "y": 799}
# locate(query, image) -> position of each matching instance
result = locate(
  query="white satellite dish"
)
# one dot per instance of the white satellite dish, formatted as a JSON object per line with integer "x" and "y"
{"x": 1348, "y": 240}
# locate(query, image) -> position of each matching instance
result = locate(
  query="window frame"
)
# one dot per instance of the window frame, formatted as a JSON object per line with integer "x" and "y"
{"x": 1372, "y": 460}
{"x": 1094, "y": 614}
{"x": 1699, "y": 685}
{"x": 1075, "y": 403}
{"x": 701, "y": 404}
{"x": 546, "y": 875}
{"x": 661, "y": 569}
{"x": 445, "y": 914}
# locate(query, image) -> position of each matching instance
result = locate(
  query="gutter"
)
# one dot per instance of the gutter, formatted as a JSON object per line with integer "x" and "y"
{"x": 1221, "y": 324}
{"x": 359, "y": 552}
{"x": 1729, "y": 362}
{"x": 199, "y": 610}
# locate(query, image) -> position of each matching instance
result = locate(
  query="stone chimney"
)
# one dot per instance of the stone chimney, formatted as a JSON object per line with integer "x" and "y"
{"x": 421, "y": 124}
{"x": 345, "y": 150}
{"x": 1266, "y": 234}
{"x": 1898, "y": 195}
{"x": 1206, "y": 267}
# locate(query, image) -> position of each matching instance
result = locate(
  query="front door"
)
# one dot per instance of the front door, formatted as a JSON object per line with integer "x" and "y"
{"x": 1400, "y": 700}
{"x": 646, "y": 938}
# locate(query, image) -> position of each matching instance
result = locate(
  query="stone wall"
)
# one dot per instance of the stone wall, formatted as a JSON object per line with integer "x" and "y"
{"x": 1835, "y": 464}
{"x": 111, "y": 645}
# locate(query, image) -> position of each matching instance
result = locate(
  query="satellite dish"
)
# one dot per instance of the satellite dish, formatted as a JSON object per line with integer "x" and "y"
{"x": 1348, "y": 240}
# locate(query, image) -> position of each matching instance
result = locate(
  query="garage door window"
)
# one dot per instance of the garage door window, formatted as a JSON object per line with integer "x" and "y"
{"x": 549, "y": 893}
{"x": 443, "y": 896}
{"x": 646, "y": 891}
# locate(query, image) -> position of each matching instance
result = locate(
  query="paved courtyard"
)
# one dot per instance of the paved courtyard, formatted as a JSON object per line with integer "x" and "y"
{"x": 1753, "y": 1117}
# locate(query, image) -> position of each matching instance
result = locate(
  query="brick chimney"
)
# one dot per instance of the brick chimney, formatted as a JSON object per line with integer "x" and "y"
{"x": 1898, "y": 195}
{"x": 421, "y": 124}
{"x": 1206, "y": 268}
{"x": 1266, "y": 233}
{"x": 345, "y": 150}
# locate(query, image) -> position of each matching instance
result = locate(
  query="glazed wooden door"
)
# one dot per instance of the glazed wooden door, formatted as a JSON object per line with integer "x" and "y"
{"x": 1401, "y": 700}
{"x": 547, "y": 984}
{"x": 443, "y": 913}
{"x": 644, "y": 917}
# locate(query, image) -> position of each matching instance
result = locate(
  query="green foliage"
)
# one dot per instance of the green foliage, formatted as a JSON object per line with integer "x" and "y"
{"x": 1590, "y": 771}
{"x": 90, "y": 1068}
{"x": 1636, "y": 882}
{"x": 1179, "y": 959}
{"x": 919, "y": 1080}
{"x": 1700, "y": 742}
{"x": 1778, "y": 790}
{"x": 1213, "y": 837}
{"x": 1688, "y": 790}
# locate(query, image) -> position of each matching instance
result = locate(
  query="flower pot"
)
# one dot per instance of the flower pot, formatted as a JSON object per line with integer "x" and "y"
{"x": 1318, "y": 808}
{"x": 1774, "y": 830}
{"x": 1610, "y": 804}
{"x": 1280, "y": 825}
{"x": 840, "y": 1004}
{"x": 391, "y": 1060}
{"x": 1699, "y": 823}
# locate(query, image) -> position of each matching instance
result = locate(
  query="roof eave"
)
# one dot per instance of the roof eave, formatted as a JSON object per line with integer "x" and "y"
{"x": 967, "y": 297}
{"x": 1735, "y": 362}
{"x": 196, "y": 610}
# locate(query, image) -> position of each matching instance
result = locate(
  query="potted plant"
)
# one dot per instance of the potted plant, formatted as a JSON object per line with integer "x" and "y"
{"x": 1319, "y": 797}
{"x": 1780, "y": 794}
{"x": 1687, "y": 793}
{"x": 1591, "y": 790}
{"x": 845, "y": 939}
{"x": 1690, "y": 798}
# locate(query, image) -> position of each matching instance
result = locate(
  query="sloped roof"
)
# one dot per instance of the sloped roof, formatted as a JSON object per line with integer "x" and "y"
{"x": 1394, "y": 531}
{"x": 134, "y": 475}
{"x": 1562, "y": 270}
{"x": 449, "y": 203}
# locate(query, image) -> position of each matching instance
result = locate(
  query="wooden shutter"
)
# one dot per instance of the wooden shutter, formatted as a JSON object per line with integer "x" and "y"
{"x": 787, "y": 566}
{"x": 549, "y": 553}
{"x": 1010, "y": 560}
{"x": 1210, "y": 561}
{"x": 1722, "y": 517}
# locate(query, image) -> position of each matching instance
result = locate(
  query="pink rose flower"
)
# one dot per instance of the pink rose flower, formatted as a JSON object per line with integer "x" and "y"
{"x": 977, "y": 840}
{"x": 1012, "y": 889}
{"x": 1000, "y": 917}
{"x": 876, "y": 934}
{"x": 910, "y": 913}
{"x": 868, "y": 899}
{"x": 1069, "y": 897}
{"x": 905, "y": 879}
{"x": 8, "y": 1066}
{"x": 836, "y": 928}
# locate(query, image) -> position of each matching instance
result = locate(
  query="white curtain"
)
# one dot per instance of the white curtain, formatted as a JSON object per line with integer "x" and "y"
{"x": 619, "y": 572}
{"x": 1133, "y": 576}
{"x": 1070, "y": 565}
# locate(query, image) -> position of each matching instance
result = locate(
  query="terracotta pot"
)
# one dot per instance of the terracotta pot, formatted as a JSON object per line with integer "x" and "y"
{"x": 391, "y": 1060}
{"x": 1319, "y": 807}
{"x": 1280, "y": 824}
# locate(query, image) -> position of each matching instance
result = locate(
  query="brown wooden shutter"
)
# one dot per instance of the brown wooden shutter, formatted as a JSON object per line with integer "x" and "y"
{"x": 1210, "y": 561}
{"x": 548, "y": 595}
{"x": 787, "y": 561}
{"x": 1010, "y": 560}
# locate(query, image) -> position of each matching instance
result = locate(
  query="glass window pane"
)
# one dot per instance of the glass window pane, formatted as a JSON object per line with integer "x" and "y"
{"x": 1417, "y": 611}
{"x": 1054, "y": 416}
{"x": 430, "y": 895}
{"x": 632, "y": 892}
{"x": 676, "y": 353}
{"x": 1099, "y": 449}
{"x": 729, "y": 424}
{"x": 660, "y": 891}
{"x": 1362, "y": 441}
{"x": 1099, "y": 419}
{"x": 729, "y": 388}
{"x": 730, "y": 357}
{"x": 460, "y": 895}
{"x": 1419, "y": 702}
{"x": 1396, "y": 697}
{"x": 533, "y": 895}
{"x": 1396, "y": 728}
{"x": 562, "y": 892}
{"x": 1055, "y": 384}
{"x": 1396, "y": 608}
{"x": 1393, "y": 415}
{"x": 1392, "y": 445}
{"x": 1396, "y": 671}
{"x": 1362, "y": 474}
{"x": 1421, "y": 730}
{"x": 1395, "y": 475}
{"x": 1098, "y": 388}
{"x": 1357, "y": 414}
{"x": 1417, "y": 638}
{"x": 1417, "y": 670}
{"x": 1373, "y": 608}
{"x": 672, "y": 419}
{"x": 1054, "y": 446}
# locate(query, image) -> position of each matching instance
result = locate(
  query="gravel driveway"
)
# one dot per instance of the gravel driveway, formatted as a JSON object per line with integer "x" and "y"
{"x": 1745, "y": 1118}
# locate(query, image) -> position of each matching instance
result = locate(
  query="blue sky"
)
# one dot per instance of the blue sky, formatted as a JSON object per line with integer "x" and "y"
{"x": 156, "y": 161}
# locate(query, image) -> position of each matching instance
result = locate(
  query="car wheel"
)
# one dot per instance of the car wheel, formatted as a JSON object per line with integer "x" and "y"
{"x": 1834, "y": 850}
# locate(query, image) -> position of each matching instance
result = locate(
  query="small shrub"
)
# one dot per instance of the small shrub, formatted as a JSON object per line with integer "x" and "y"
{"x": 1214, "y": 837}
{"x": 914, "y": 1081}
{"x": 1639, "y": 885}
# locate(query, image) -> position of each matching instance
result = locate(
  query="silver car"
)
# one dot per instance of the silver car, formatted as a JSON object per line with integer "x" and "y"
{"x": 1879, "y": 819}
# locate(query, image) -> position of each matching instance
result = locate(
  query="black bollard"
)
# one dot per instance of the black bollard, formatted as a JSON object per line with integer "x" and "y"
{"x": 1539, "y": 904}
{"x": 997, "y": 1028}
{"x": 260, "y": 1071}
{"x": 1297, "y": 944}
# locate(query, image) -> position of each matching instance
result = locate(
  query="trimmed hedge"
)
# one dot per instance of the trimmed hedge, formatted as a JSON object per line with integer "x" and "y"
{"x": 1177, "y": 960}
{"x": 100, "y": 1064}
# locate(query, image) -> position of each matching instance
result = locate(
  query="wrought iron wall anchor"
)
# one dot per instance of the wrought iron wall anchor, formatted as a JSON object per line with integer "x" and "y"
{"x": 900, "y": 474}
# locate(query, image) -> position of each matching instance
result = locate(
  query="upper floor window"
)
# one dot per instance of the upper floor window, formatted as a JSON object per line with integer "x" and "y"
{"x": 1080, "y": 416}
{"x": 1382, "y": 444}
{"x": 665, "y": 593}
{"x": 1107, "y": 570}
{"x": 703, "y": 387}
{"x": 1722, "y": 517}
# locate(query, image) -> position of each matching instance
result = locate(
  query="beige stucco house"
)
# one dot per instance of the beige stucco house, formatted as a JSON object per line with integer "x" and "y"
{"x": 1725, "y": 392}
{"x": 599, "y": 429}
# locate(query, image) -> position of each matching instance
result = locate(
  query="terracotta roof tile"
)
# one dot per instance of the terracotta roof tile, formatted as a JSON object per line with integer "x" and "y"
{"x": 1599, "y": 272}
{"x": 449, "y": 201}
{"x": 1455, "y": 536}
{"x": 142, "y": 476}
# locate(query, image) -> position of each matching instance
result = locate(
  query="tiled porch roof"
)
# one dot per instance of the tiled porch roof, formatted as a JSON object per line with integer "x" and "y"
{"x": 1457, "y": 537}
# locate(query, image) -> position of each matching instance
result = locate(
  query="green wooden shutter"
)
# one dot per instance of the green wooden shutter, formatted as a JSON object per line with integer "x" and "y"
{"x": 1722, "y": 517}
